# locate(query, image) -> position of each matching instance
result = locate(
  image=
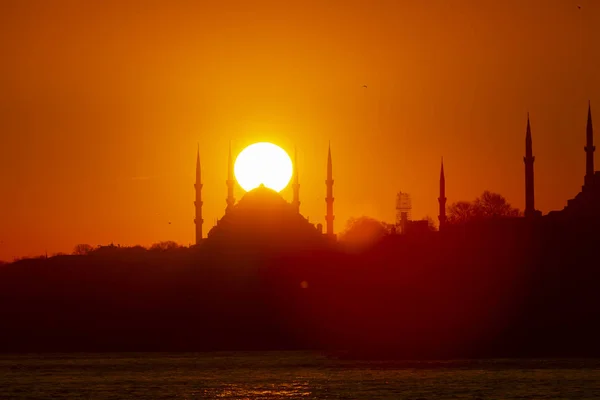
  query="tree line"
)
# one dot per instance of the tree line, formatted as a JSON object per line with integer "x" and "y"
{"x": 362, "y": 231}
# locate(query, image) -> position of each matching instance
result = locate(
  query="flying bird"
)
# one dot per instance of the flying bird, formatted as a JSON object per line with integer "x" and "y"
{"x": 579, "y": 7}
{"x": 365, "y": 86}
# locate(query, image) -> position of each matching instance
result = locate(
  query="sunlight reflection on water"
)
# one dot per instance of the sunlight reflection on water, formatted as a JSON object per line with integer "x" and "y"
{"x": 265, "y": 376}
{"x": 280, "y": 391}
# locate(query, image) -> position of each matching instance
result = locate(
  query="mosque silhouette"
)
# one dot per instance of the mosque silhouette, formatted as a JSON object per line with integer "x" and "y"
{"x": 263, "y": 215}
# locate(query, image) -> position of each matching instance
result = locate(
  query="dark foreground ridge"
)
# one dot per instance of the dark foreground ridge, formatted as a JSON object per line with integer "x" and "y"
{"x": 506, "y": 288}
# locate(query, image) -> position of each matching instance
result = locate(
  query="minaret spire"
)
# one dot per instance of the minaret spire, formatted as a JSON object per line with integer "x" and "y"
{"x": 589, "y": 147}
{"x": 529, "y": 183}
{"x": 296, "y": 184}
{"x": 442, "y": 198}
{"x": 329, "y": 199}
{"x": 198, "y": 203}
{"x": 230, "y": 182}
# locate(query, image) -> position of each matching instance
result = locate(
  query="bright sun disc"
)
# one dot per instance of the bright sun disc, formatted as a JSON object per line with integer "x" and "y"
{"x": 263, "y": 163}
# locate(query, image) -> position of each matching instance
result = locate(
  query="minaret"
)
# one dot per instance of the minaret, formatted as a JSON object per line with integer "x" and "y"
{"x": 442, "y": 198}
{"x": 230, "y": 183}
{"x": 329, "y": 199}
{"x": 529, "y": 186}
{"x": 589, "y": 148}
{"x": 296, "y": 184}
{"x": 198, "y": 203}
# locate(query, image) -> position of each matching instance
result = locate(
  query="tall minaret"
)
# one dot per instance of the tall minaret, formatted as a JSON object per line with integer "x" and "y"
{"x": 230, "y": 183}
{"x": 296, "y": 184}
{"x": 442, "y": 198}
{"x": 529, "y": 186}
{"x": 198, "y": 203}
{"x": 329, "y": 199}
{"x": 589, "y": 148}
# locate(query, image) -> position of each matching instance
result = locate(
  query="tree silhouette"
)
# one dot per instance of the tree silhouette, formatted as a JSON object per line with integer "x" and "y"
{"x": 363, "y": 231}
{"x": 164, "y": 246}
{"x": 494, "y": 205}
{"x": 82, "y": 249}
{"x": 488, "y": 205}
{"x": 460, "y": 212}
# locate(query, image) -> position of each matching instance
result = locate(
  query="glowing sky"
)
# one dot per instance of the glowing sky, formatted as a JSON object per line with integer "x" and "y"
{"x": 102, "y": 104}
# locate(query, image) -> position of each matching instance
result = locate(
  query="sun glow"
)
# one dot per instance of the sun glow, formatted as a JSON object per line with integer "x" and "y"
{"x": 263, "y": 163}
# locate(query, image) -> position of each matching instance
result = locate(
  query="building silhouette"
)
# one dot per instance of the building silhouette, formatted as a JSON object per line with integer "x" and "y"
{"x": 329, "y": 199}
{"x": 198, "y": 203}
{"x": 442, "y": 198}
{"x": 262, "y": 214}
{"x": 529, "y": 159}
{"x": 230, "y": 182}
{"x": 296, "y": 184}
{"x": 587, "y": 202}
{"x": 584, "y": 208}
{"x": 589, "y": 149}
{"x": 584, "y": 204}
{"x": 403, "y": 212}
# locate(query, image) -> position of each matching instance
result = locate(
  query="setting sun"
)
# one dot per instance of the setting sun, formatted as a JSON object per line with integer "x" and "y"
{"x": 263, "y": 163}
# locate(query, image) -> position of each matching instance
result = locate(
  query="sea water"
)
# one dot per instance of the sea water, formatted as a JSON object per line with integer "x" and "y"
{"x": 294, "y": 375}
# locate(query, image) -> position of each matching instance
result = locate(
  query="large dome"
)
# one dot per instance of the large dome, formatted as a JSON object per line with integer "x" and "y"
{"x": 262, "y": 199}
{"x": 263, "y": 218}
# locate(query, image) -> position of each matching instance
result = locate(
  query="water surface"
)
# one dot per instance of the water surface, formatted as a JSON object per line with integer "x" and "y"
{"x": 282, "y": 375}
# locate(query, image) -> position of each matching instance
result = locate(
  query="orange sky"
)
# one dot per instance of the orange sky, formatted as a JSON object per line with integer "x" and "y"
{"x": 102, "y": 104}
